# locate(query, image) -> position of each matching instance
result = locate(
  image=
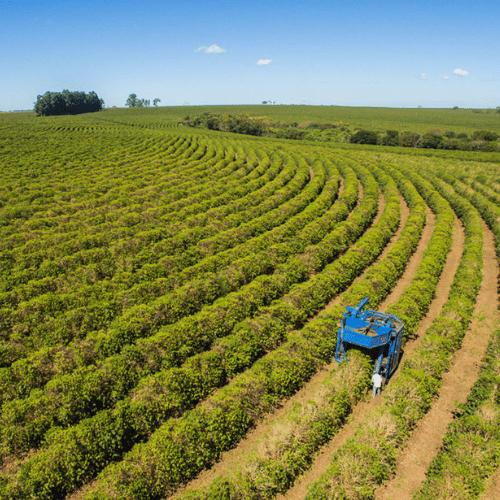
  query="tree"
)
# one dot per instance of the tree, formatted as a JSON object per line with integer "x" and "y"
{"x": 391, "y": 138}
{"x": 67, "y": 103}
{"x": 364, "y": 137}
{"x": 131, "y": 101}
{"x": 430, "y": 140}
{"x": 156, "y": 101}
{"x": 484, "y": 135}
{"x": 409, "y": 139}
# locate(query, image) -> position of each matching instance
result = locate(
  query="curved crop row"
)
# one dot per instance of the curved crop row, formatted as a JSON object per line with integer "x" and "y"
{"x": 71, "y": 260}
{"x": 132, "y": 331}
{"x": 257, "y": 344}
{"x": 368, "y": 458}
{"x": 25, "y": 209}
{"x": 61, "y": 359}
{"x": 30, "y": 410}
{"x": 254, "y": 341}
{"x": 176, "y": 204}
{"x": 228, "y": 414}
{"x": 38, "y": 248}
{"x": 34, "y": 312}
{"x": 182, "y": 302}
{"x": 290, "y": 453}
{"x": 470, "y": 447}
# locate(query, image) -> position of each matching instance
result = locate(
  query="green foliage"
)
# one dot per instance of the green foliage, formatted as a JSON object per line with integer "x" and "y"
{"x": 67, "y": 103}
{"x": 338, "y": 132}
{"x": 364, "y": 137}
{"x": 131, "y": 101}
{"x": 409, "y": 139}
{"x": 163, "y": 288}
{"x": 430, "y": 140}
{"x": 485, "y": 135}
{"x": 470, "y": 447}
{"x": 391, "y": 138}
{"x": 368, "y": 458}
{"x": 134, "y": 102}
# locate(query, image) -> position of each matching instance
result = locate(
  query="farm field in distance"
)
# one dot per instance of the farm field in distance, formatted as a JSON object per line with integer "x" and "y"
{"x": 170, "y": 298}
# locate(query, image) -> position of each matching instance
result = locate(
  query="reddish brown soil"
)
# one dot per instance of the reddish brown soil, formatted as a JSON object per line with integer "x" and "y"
{"x": 233, "y": 458}
{"x": 492, "y": 487}
{"x": 413, "y": 263}
{"x": 426, "y": 440}
{"x": 323, "y": 460}
{"x": 405, "y": 212}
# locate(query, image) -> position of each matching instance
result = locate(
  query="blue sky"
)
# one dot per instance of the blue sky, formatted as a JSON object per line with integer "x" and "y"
{"x": 401, "y": 53}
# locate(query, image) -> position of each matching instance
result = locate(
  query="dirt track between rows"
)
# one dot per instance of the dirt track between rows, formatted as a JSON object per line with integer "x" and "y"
{"x": 232, "y": 459}
{"x": 426, "y": 440}
{"x": 492, "y": 491}
{"x": 319, "y": 466}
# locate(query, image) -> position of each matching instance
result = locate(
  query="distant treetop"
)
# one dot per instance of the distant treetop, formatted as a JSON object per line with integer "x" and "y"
{"x": 67, "y": 103}
{"x": 134, "y": 102}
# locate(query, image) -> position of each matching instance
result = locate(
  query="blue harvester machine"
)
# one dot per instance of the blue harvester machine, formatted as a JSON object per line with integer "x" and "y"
{"x": 374, "y": 332}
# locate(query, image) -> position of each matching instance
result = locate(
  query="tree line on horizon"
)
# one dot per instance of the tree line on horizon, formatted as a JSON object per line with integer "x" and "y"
{"x": 134, "y": 102}
{"x": 479, "y": 140}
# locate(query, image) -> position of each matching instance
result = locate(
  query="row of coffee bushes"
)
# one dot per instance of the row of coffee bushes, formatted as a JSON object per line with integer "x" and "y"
{"x": 182, "y": 302}
{"x": 266, "y": 222}
{"x": 266, "y": 476}
{"x": 48, "y": 239}
{"x": 316, "y": 226}
{"x": 369, "y": 458}
{"x": 414, "y": 303}
{"x": 41, "y": 365}
{"x": 469, "y": 454}
{"x": 138, "y": 176}
{"x": 235, "y": 347}
{"x": 43, "y": 202}
{"x": 53, "y": 302}
{"x": 49, "y": 248}
{"x": 472, "y": 441}
{"x": 489, "y": 210}
{"x": 227, "y": 415}
{"x": 97, "y": 218}
{"x": 29, "y": 162}
{"x": 52, "y": 299}
{"x": 50, "y": 286}
{"x": 292, "y": 441}
{"x": 482, "y": 183}
{"x": 37, "y": 421}
{"x": 52, "y": 246}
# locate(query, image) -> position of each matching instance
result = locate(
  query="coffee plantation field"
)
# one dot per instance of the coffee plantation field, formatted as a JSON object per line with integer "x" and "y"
{"x": 170, "y": 298}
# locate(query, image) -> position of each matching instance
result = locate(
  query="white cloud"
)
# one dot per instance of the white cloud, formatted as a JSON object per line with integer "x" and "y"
{"x": 213, "y": 49}
{"x": 422, "y": 76}
{"x": 264, "y": 62}
{"x": 460, "y": 72}
{"x": 446, "y": 77}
